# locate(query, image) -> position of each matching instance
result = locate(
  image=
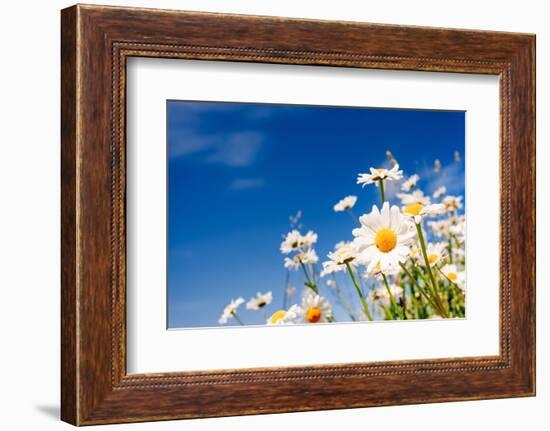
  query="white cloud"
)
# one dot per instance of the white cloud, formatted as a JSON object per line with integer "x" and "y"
{"x": 247, "y": 183}
{"x": 189, "y": 143}
{"x": 236, "y": 149}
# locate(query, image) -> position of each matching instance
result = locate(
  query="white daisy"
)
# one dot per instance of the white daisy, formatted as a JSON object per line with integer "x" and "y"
{"x": 439, "y": 227}
{"x": 454, "y": 275}
{"x": 284, "y": 317}
{"x": 418, "y": 210}
{"x": 416, "y": 197}
{"x": 309, "y": 257}
{"x": 458, "y": 254}
{"x": 383, "y": 238}
{"x": 294, "y": 240}
{"x": 410, "y": 183}
{"x": 306, "y": 257}
{"x": 452, "y": 202}
{"x": 440, "y": 192}
{"x": 292, "y": 264}
{"x": 381, "y": 296}
{"x": 291, "y": 242}
{"x": 309, "y": 239}
{"x": 379, "y": 174}
{"x": 344, "y": 253}
{"x": 415, "y": 252}
{"x": 315, "y": 309}
{"x": 345, "y": 204}
{"x": 377, "y": 272}
{"x": 259, "y": 301}
{"x": 230, "y": 310}
{"x": 435, "y": 252}
{"x": 458, "y": 229}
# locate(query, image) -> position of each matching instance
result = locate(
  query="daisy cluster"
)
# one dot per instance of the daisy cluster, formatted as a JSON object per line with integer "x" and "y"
{"x": 403, "y": 260}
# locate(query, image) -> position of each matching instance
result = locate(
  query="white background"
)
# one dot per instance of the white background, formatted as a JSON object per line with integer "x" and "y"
{"x": 29, "y": 220}
{"x": 151, "y": 348}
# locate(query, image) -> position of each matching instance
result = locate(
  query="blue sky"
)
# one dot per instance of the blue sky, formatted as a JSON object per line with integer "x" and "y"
{"x": 236, "y": 172}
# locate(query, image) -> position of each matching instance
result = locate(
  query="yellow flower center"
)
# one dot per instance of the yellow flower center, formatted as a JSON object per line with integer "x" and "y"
{"x": 278, "y": 315}
{"x": 313, "y": 314}
{"x": 432, "y": 258}
{"x": 385, "y": 240}
{"x": 452, "y": 276}
{"x": 413, "y": 209}
{"x": 380, "y": 170}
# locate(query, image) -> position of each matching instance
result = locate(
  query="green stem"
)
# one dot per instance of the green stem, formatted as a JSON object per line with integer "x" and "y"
{"x": 237, "y": 318}
{"x": 313, "y": 275}
{"x": 353, "y": 216}
{"x": 420, "y": 288}
{"x": 340, "y": 298}
{"x": 382, "y": 191}
{"x": 450, "y": 248}
{"x": 429, "y": 269}
{"x": 365, "y": 307}
{"x": 392, "y": 299}
{"x": 285, "y": 291}
{"x": 308, "y": 283}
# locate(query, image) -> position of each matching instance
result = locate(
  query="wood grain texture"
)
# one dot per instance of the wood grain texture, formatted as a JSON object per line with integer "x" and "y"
{"x": 96, "y": 41}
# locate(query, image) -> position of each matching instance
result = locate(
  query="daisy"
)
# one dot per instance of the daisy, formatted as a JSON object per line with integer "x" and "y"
{"x": 259, "y": 301}
{"x": 309, "y": 239}
{"x": 284, "y": 317}
{"x": 458, "y": 229}
{"x": 410, "y": 183}
{"x": 381, "y": 295}
{"x": 380, "y": 174}
{"x": 307, "y": 257}
{"x": 377, "y": 272}
{"x": 294, "y": 240}
{"x": 418, "y": 210}
{"x": 458, "y": 254}
{"x": 440, "y": 228}
{"x": 416, "y": 197}
{"x": 440, "y": 192}
{"x": 315, "y": 309}
{"x": 452, "y": 202}
{"x": 291, "y": 242}
{"x": 383, "y": 238}
{"x": 415, "y": 252}
{"x": 435, "y": 252}
{"x": 345, "y": 204}
{"x": 343, "y": 254}
{"x": 292, "y": 264}
{"x": 454, "y": 276}
{"x": 230, "y": 310}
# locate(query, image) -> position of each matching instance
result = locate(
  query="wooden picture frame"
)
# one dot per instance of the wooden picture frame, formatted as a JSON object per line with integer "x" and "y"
{"x": 95, "y": 43}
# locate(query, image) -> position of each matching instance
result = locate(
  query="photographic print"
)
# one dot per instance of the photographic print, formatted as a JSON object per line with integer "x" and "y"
{"x": 299, "y": 214}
